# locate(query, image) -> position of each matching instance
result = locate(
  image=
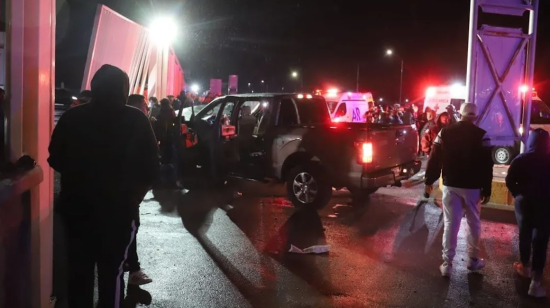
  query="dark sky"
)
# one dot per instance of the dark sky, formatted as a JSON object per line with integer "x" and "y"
{"x": 322, "y": 39}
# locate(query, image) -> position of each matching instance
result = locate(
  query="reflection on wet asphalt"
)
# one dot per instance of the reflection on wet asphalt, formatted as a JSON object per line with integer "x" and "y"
{"x": 217, "y": 249}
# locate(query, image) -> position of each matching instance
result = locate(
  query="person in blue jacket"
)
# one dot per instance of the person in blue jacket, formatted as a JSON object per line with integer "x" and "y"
{"x": 527, "y": 181}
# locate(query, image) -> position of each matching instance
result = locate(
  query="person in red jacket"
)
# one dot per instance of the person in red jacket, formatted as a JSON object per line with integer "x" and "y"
{"x": 431, "y": 133}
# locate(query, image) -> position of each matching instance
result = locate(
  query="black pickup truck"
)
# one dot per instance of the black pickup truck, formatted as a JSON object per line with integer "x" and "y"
{"x": 291, "y": 138}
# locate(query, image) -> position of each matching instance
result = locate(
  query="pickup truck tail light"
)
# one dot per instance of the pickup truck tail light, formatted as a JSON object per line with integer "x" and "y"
{"x": 364, "y": 152}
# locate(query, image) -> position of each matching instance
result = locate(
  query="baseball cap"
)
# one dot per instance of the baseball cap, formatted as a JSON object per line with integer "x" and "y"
{"x": 468, "y": 110}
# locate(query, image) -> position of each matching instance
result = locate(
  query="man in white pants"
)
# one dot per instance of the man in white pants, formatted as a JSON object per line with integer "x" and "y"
{"x": 462, "y": 156}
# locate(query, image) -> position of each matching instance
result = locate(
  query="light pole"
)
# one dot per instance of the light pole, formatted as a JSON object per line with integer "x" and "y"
{"x": 390, "y": 53}
{"x": 295, "y": 75}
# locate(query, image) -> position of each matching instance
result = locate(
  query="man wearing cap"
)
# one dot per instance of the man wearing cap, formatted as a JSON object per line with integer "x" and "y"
{"x": 462, "y": 156}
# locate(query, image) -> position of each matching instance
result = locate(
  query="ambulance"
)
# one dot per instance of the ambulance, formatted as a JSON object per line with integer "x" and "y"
{"x": 438, "y": 98}
{"x": 349, "y": 107}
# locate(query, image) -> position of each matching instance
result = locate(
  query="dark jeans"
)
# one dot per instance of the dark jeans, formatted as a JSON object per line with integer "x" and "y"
{"x": 534, "y": 233}
{"x": 132, "y": 262}
{"x": 104, "y": 244}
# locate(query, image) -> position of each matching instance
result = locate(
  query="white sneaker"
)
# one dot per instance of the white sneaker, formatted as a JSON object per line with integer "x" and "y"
{"x": 476, "y": 264}
{"x": 446, "y": 269}
{"x": 536, "y": 289}
{"x": 139, "y": 278}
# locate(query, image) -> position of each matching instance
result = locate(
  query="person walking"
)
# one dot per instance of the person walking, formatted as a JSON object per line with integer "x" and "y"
{"x": 527, "y": 182}
{"x": 136, "y": 274}
{"x": 107, "y": 156}
{"x": 462, "y": 156}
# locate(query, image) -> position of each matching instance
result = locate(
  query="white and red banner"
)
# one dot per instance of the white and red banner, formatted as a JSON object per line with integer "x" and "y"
{"x": 154, "y": 70}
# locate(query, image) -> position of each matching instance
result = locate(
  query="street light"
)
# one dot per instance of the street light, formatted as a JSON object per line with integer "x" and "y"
{"x": 294, "y": 74}
{"x": 381, "y": 100}
{"x": 163, "y": 30}
{"x": 262, "y": 81}
{"x": 390, "y": 53}
{"x": 195, "y": 88}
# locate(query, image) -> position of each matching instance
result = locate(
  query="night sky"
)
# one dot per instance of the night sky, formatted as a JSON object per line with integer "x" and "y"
{"x": 324, "y": 40}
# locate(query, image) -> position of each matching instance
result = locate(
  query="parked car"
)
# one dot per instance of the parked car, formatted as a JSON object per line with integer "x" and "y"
{"x": 291, "y": 138}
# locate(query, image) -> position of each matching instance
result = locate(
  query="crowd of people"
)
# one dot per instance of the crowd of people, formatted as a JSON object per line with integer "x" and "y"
{"x": 109, "y": 152}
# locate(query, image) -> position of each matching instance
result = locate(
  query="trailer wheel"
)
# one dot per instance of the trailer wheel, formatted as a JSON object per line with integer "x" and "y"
{"x": 503, "y": 155}
{"x": 308, "y": 187}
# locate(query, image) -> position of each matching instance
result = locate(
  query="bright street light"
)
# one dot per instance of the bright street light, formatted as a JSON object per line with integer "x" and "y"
{"x": 262, "y": 81}
{"x": 381, "y": 99}
{"x": 195, "y": 88}
{"x": 163, "y": 30}
{"x": 406, "y": 100}
{"x": 249, "y": 84}
{"x": 389, "y": 52}
{"x": 294, "y": 74}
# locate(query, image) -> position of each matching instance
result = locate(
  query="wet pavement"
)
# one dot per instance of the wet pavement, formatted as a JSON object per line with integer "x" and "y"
{"x": 216, "y": 249}
{"x": 208, "y": 249}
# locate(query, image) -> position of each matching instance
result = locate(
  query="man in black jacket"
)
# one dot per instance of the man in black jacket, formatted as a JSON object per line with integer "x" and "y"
{"x": 107, "y": 156}
{"x": 462, "y": 156}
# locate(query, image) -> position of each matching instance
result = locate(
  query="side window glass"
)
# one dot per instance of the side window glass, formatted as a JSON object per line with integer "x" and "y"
{"x": 341, "y": 110}
{"x": 287, "y": 113}
{"x": 210, "y": 110}
{"x": 332, "y": 106}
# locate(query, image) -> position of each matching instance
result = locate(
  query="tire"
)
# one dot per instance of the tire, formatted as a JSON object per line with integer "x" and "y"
{"x": 361, "y": 195}
{"x": 503, "y": 155}
{"x": 304, "y": 197}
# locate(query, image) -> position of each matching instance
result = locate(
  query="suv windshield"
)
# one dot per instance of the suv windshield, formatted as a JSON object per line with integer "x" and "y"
{"x": 313, "y": 111}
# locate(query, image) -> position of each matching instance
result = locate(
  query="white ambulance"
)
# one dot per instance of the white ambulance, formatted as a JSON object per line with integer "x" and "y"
{"x": 438, "y": 98}
{"x": 347, "y": 107}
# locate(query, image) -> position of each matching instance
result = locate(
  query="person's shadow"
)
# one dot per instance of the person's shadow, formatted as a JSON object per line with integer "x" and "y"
{"x": 303, "y": 229}
{"x": 137, "y": 296}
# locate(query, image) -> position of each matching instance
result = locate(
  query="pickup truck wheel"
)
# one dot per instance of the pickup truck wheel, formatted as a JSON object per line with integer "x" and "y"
{"x": 307, "y": 187}
{"x": 503, "y": 155}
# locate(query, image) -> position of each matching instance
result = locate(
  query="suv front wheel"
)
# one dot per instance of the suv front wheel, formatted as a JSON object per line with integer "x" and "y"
{"x": 308, "y": 187}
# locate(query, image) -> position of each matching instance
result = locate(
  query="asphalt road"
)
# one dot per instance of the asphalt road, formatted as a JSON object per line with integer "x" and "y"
{"x": 217, "y": 249}
{"x": 203, "y": 253}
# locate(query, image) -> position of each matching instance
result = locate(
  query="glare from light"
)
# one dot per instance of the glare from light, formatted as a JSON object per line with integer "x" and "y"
{"x": 381, "y": 99}
{"x": 265, "y": 104}
{"x": 524, "y": 88}
{"x": 163, "y": 30}
{"x": 309, "y": 96}
{"x": 262, "y": 81}
{"x": 457, "y": 90}
{"x": 520, "y": 130}
{"x": 249, "y": 84}
{"x": 300, "y": 96}
{"x": 294, "y": 74}
{"x": 389, "y": 52}
{"x": 406, "y": 100}
{"x": 74, "y": 98}
{"x": 430, "y": 92}
{"x": 195, "y": 88}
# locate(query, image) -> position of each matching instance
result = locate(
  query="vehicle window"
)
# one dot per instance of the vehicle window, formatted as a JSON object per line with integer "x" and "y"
{"x": 341, "y": 110}
{"x": 313, "y": 111}
{"x": 540, "y": 113}
{"x": 287, "y": 113}
{"x": 254, "y": 106}
{"x": 332, "y": 106}
{"x": 209, "y": 110}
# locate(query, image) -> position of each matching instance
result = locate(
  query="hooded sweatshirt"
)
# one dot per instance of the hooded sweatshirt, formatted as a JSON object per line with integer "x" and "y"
{"x": 105, "y": 151}
{"x": 527, "y": 178}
